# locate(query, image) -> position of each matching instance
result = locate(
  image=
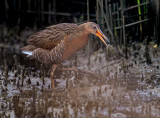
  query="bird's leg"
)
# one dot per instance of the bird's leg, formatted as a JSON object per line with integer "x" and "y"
{"x": 77, "y": 70}
{"x": 68, "y": 69}
{"x": 54, "y": 66}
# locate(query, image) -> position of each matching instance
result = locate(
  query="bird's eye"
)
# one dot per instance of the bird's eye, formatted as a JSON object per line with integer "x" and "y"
{"x": 94, "y": 27}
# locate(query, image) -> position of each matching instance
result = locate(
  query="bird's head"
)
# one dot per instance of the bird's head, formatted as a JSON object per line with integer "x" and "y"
{"x": 95, "y": 29}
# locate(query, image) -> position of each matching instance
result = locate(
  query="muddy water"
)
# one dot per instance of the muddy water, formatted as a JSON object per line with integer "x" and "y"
{"x": 110, "y": 87}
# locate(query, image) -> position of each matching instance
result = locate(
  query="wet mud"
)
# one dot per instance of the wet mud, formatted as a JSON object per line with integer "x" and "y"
{"x": 108, "y": 87}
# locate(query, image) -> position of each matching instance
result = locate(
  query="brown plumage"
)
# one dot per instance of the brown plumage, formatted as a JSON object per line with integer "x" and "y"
{"x": 57, "y": 43}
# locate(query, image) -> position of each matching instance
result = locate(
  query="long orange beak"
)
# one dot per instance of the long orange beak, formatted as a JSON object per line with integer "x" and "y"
{"x": 101, "y": 36}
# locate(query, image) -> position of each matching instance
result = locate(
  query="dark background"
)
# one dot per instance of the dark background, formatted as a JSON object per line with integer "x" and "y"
{"x": 37, "y": 14}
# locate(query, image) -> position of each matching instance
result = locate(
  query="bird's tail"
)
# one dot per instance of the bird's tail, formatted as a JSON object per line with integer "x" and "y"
{"x": 28, "y": 53}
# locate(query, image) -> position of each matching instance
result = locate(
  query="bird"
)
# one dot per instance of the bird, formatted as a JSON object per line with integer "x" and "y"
{"x": 56, "y": 43}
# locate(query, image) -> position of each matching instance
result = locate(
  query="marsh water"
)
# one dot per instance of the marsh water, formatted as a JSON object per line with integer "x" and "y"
{"x": 108, "y": 87}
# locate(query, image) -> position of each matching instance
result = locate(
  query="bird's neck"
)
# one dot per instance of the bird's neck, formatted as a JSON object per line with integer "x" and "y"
{"x": 84, "y": 34}
{"x": 82, "y": 28}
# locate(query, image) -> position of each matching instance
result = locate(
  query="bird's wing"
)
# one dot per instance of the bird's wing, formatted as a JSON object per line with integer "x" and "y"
{"x": 51, "y": 36}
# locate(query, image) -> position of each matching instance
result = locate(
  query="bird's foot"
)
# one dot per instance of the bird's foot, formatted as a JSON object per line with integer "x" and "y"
{"x": 52, "y": 76}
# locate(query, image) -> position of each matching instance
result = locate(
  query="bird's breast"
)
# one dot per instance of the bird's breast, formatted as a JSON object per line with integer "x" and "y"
{"x": 74, "y": 43}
